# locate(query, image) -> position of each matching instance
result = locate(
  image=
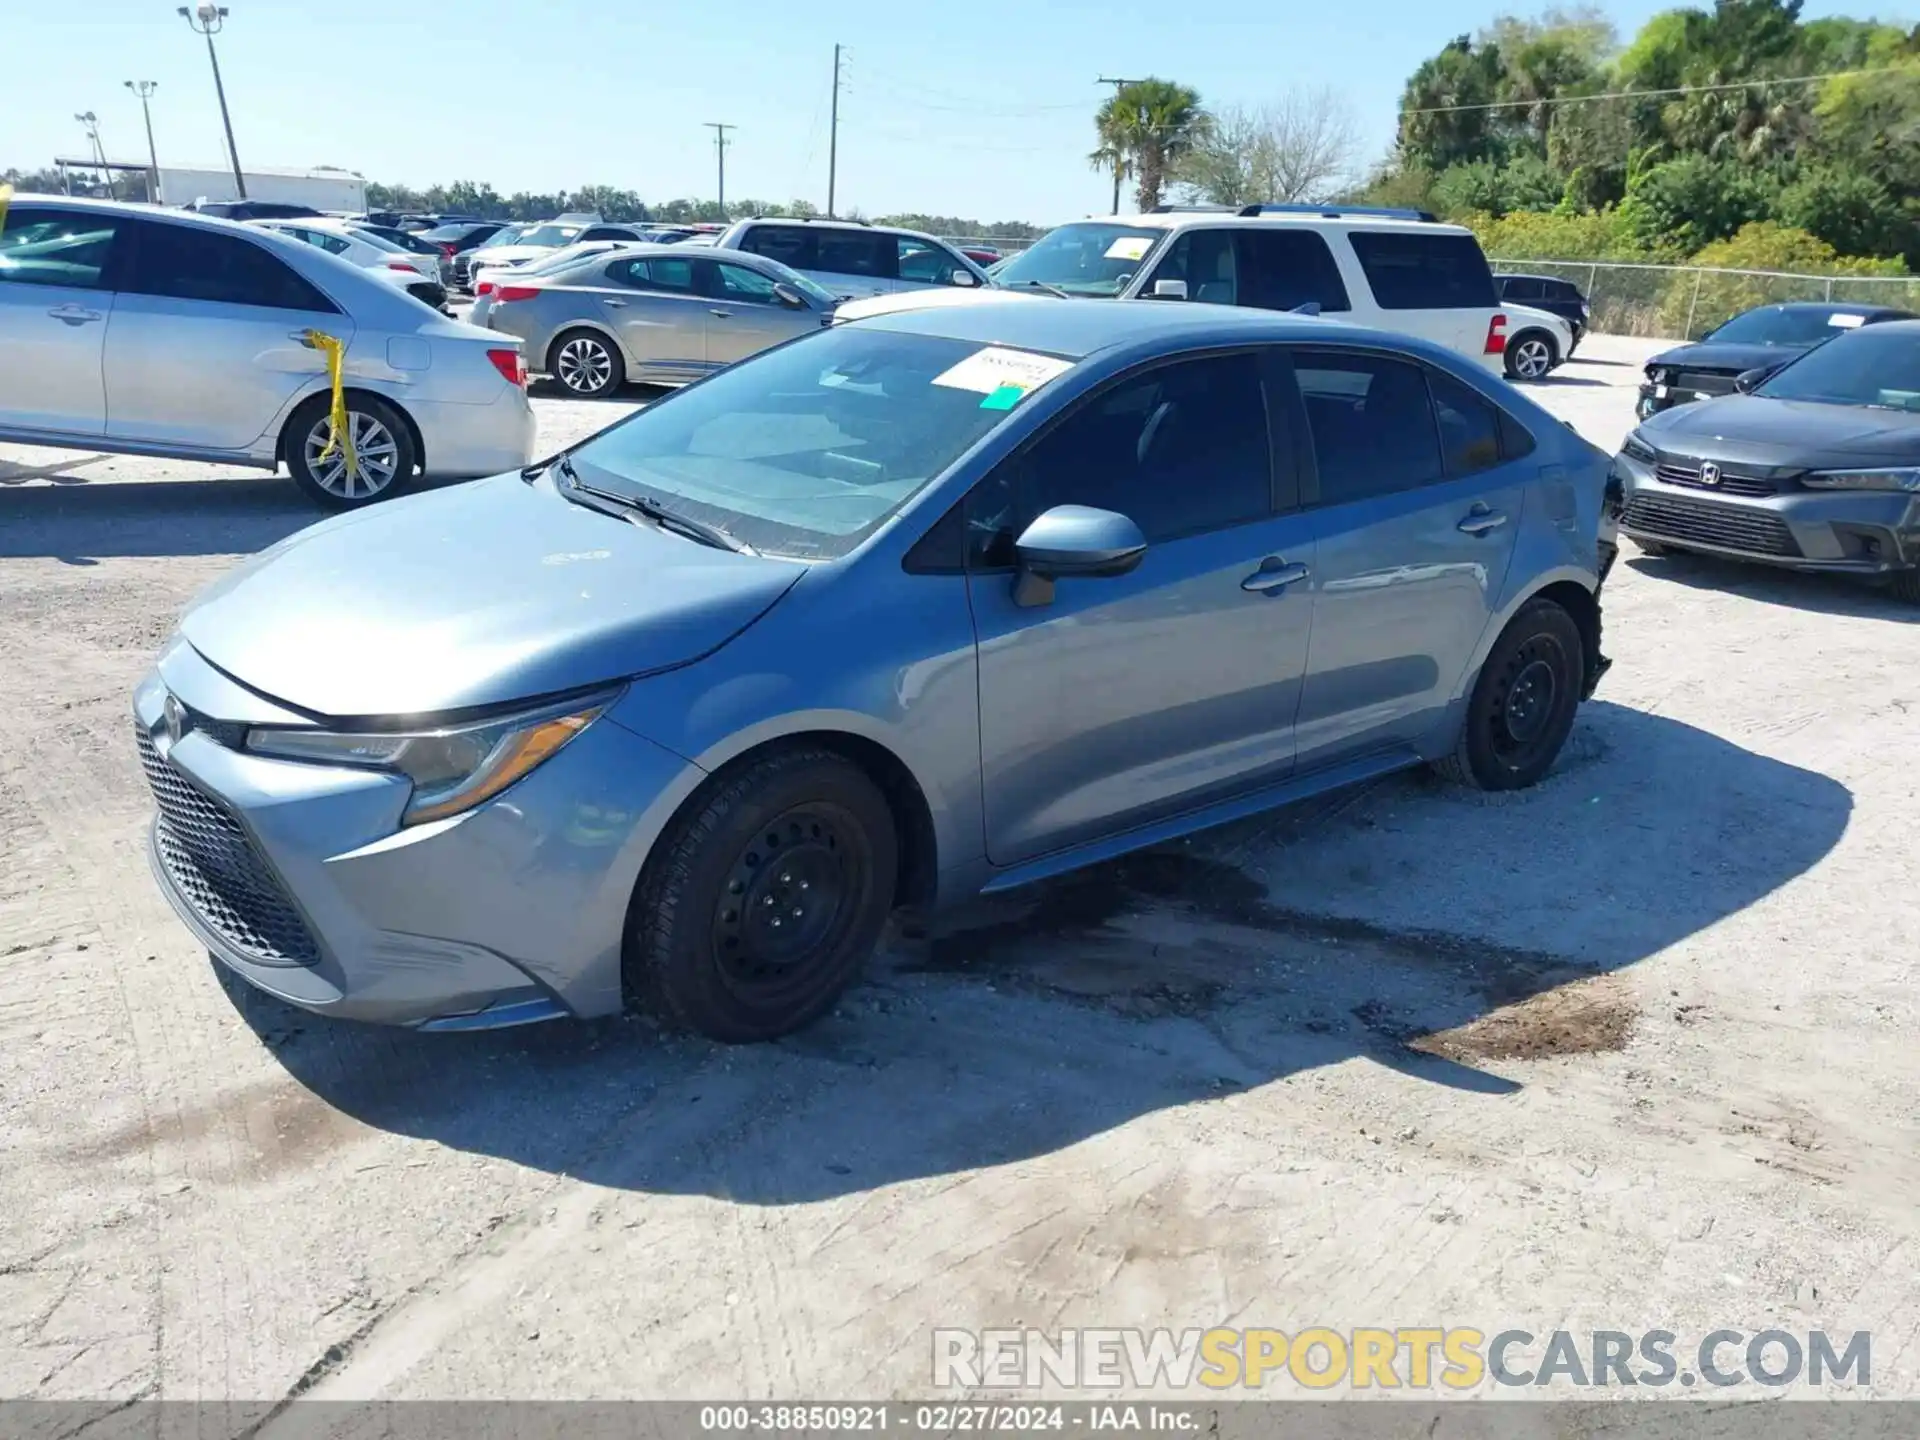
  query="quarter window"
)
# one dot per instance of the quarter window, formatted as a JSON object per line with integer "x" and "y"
{"x": 1469, "y": 425}
{"x": 185, "y": 262}
{"x": 1371, "y": 421}
{"x": 1179, "y": 449}
{"x": 55, "y": 247}
{"x": 1415, "y": 271}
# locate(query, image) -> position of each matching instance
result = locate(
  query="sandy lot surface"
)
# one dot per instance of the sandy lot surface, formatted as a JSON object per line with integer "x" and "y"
{"x": 1634, "y": 1049}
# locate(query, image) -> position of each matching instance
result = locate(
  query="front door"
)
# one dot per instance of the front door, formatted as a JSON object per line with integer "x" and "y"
{"x": 745, "y": 315}
{"x": 206, "y": 345}
{"x": 1413, "y": 532}
{"x": 54, "y": 304}
{"x": 1130, "y": 699}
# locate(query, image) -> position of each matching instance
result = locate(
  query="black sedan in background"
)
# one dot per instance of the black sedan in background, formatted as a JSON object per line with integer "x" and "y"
{"x": 1816, "y": 468}
{"x": 1762, "y": 339}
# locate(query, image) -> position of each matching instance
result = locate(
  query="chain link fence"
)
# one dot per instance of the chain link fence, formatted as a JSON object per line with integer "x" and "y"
{"x": 1686, "y": 301}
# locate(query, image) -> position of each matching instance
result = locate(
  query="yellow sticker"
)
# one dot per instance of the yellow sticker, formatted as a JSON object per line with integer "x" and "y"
{"x": 1129, "y": 247}
{"x": 997, "y": 368}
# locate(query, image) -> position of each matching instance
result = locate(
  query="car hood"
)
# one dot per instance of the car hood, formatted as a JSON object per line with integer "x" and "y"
{"x": 1733, "y": 359}
{"x": 472, "y": 596}
{"x": 931, "y": 298}
{"x": 1786, "y": 433}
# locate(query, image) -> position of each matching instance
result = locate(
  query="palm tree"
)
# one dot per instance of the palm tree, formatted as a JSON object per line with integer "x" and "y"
{"x": 1145, "y": 130}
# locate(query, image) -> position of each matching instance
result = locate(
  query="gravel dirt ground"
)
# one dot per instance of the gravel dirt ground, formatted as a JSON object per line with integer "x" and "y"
{"x": 1634, "y": 1049}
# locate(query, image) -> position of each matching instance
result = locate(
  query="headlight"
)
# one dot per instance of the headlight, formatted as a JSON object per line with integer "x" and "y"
{"x": 1901, "y": 479}
{"x": 1639, "y": 449}
{"x": 452, "y": 769}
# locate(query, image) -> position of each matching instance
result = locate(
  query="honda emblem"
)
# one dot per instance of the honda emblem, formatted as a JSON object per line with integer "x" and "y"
{"x": 1709, "y": 473}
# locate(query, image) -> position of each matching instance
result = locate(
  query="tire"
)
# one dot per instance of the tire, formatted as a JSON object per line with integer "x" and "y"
{"x": 1652, "y": 547}
{"x": 1531, "y": 355}
{"x": 1523, "y": 703}
{"x": 701, "y": 949}
{"x": 1905, "y": 586}
{"x": 383, "y": 443}
{"x": 586, "y": 364}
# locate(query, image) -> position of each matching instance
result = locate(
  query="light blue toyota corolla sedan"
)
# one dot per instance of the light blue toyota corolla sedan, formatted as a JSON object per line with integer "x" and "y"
{"x": 892, "y": 615}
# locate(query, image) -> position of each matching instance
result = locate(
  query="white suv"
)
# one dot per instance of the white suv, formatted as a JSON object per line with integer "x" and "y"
{"x": 1395, "y": 270}
{"x": 853, "y": 259}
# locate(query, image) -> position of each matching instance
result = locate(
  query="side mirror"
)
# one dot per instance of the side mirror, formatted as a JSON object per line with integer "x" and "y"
{"x": 1077, "y": 541}
{"x": 964, "y": 277}
{"x": 1749, "y": 380}
{"x": 789, "y": 297}
{"x": 1169, "y": 290}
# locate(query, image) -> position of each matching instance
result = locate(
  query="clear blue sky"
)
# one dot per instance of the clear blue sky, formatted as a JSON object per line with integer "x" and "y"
{"x": 981, "y": 111}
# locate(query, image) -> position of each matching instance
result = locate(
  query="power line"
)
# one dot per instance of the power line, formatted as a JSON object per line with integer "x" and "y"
{"x": 901, "y": 93}
{"x": 1648, "y": 94}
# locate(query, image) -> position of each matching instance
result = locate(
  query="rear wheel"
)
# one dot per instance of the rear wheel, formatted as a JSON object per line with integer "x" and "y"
{"x": 1522, "y": 707}
{"x": 587, "y": 364}
{"x": 1531, "y": 355}
{"x": 383, "y": 452}
{"x": 764, "y": 898}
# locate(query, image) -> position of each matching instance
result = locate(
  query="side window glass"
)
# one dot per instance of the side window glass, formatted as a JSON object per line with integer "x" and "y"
{"x": 789, "y": 244}
{"x": 1371, "y": 421}
{"x": 923, "y": 262}
{"x": 187, "y": 263}
{"x": 739, "y": 283}
{"x": 332, "y": 244}
{"x": 1469, "y": 425}
{"x": 1284, "y": 269}
{"x": 1409, "y": 271}
{"x": 1205, "y": 260}
{"x": 1180, "y": 449}
{"x": 852, "y": 252}
{"x": 673, "y": 276}
{"x": 49, "y": 247}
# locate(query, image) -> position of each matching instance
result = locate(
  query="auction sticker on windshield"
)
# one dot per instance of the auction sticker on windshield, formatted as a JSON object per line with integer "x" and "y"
{"x": 1002, "y": 375}
{"x": 1847, "y": 322}
{"x": 1129, "y": 247}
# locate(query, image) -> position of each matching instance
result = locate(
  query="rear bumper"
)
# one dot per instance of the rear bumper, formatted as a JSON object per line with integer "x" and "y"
{"x": 462, "y": 441}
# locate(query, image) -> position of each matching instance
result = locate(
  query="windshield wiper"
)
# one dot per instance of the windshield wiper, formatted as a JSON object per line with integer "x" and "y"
{"x": 637, "y": 508}
{"x": 1043, "y": 285}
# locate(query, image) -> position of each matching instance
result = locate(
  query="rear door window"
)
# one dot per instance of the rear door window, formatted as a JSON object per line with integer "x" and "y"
{"x": 56, "y": 247}
{"x": 1413, "y": 271}
{"x": 789, "y": 244}
{"x": 1285, "y": 269}
{"x": 185, "y": 262}
{"x": 1519, "y": 289}
{"x": 672, "y": 275}
{"x": 1372, "y": 423}
{"x": 854, "y": 252}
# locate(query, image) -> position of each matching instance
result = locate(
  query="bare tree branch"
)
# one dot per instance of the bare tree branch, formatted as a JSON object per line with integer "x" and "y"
{"x": 1302, "y": 147}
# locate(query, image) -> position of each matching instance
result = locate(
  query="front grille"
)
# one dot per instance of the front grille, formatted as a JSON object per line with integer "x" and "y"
{"x": 1673, "y": 517}
{"x": 1711, "y": 382}
{"x": 1680, "y": 471}
{"x": 213, "y": 863}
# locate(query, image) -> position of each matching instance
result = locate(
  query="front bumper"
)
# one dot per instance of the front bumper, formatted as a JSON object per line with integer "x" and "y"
{"x": 1858, "y": 532}
{"x": 311, "y": 890}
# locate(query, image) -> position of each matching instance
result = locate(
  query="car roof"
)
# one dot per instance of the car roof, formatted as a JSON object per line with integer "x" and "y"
{"x": 1079, "y": 328}
{"x": 160, "y": 213}
{"x": 1349, "y": 220}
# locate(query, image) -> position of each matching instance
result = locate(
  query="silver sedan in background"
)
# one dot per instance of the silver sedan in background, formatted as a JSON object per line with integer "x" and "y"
{"x": 658, "y": 315}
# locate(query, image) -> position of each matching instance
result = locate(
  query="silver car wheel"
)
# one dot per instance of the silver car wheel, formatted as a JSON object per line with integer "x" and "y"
{"x": 584, "y": 366}
{"x": 374, "y": 448}
{"x": 1532, "y": 359}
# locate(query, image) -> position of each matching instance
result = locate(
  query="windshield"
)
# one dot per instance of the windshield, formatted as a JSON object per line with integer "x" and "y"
{"x": 1777, "y": 325}
{"x": 550, "y": 235}
{"x": 378, "y": 242}
{"x": 1876, "y": 366}
{"x": 510, "y": 235}
{"x": 1089, "y": 258}
{"x": 808, "y": 448}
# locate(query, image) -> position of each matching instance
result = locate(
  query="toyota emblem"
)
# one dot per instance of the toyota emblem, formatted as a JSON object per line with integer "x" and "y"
{"x": 1709, "y": 473}
{"x": 174, "y": 714}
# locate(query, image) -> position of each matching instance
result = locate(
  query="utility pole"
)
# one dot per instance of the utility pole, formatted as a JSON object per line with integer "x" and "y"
{"x": 1118, "y": 86}
{"x": 212, "y": 18}
{"x": 92, "y": 123}
{"x": 145, "y": 88}
{"x": 833, "y": 134}
{"x": 720, "y": 148}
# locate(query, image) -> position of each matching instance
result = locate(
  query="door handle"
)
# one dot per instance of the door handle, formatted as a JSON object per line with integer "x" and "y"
{"x": 614, "y": 304}
{"x": 721, "y": 314}
{"x": 1481, "y": 521}
{"x": 1274, "y": 576}
{"x": 75, "y": 314}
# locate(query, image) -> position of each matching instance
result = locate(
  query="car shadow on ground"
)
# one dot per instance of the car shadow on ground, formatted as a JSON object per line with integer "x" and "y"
{"x": 1827, "y": 594}
{"x": 1432, "y": 930}
{"x": 1563, "y": 381}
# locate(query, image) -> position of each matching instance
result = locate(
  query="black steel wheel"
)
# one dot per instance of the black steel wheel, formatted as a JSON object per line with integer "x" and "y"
{"x": 764, "y": 897}
{"x": 1523, "y": 703}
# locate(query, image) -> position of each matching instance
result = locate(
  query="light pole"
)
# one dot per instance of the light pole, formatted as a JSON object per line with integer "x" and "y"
{"x": 92, "y": 123}
{"x": 210, "y": 19}
{"x": 720, "y": 143}
{"x": 145, "y": 88}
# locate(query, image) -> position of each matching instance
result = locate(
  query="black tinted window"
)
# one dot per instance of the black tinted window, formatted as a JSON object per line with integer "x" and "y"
{"x": 188, "y": 263}
{"x": 1413, "y": 271}
{"x": 1371, "y": 422}
{"x": 1560, "y": 289}
{"x": 1469, "y": 425}
{"x": 853, "y": 252}
{"x": 608, "y": 232}
{"x": 1284, "y": 269}
{"x": 1518, "y": 287}
{"x": 789, "y": 244}
{"x": 1180, "y": 449}
{"x": 54, "y": 247}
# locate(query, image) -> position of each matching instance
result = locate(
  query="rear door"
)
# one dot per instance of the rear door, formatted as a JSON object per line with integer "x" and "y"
{"x": 1414, "y": 513}
{"x": 1431, "y": 283}
{"x": 206, "y": 345}
{"x": 1287, "y": 267}
{"x": 852, "y": 262}
{"x": 55, "y": 301}
{"x": 657, "y": 306}
{"x": 745, "y": 315}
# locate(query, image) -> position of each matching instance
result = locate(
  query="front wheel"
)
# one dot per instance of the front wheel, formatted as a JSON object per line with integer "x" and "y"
{"x": 1522, "y": 707}
{"x": 764, "y": 898}
{"x": 1531, "y": 356}
{"x": 383, "y": 455}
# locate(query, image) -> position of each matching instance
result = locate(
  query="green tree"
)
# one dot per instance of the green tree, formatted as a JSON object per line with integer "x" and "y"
{"x": 1148, "y": 129}
{"x": 1445, "y": 118}
{"x": 1849, "y": 210}
{"x": 1686, "y": 203}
